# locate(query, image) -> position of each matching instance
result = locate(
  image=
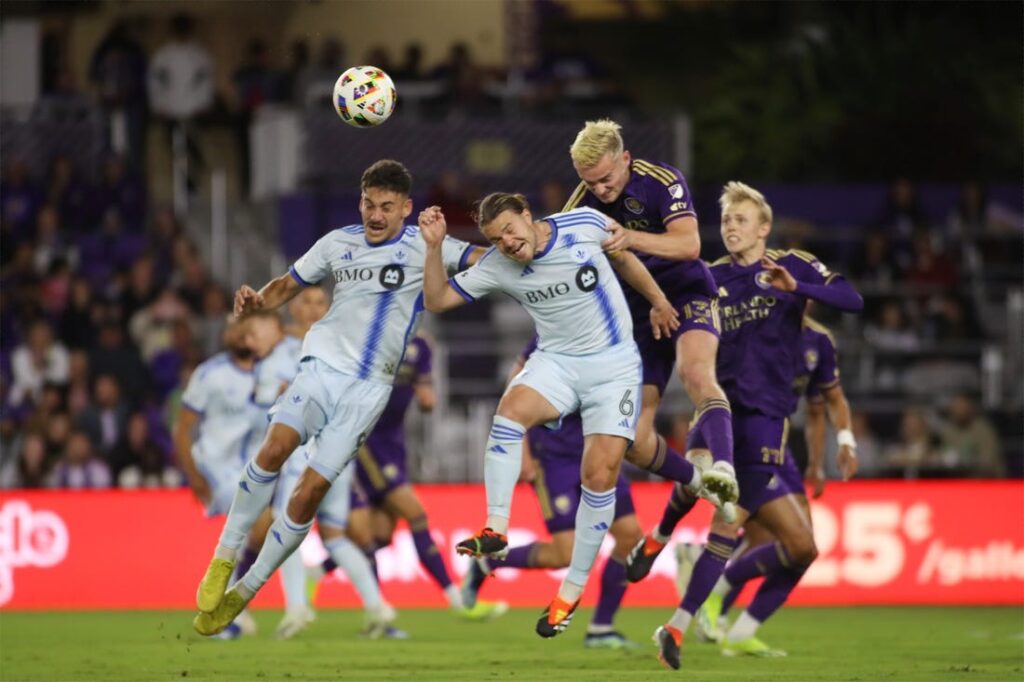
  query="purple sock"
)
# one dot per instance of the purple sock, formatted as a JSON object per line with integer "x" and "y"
{"x": 430, "y": 557}
{"x": 715, "y": 427}
{"x": 518, "y": 557}
{"x": 730, "y": 598}
{"x": 761, "y": 560}
{"x": 707, "y": 571}
{"x": 669, "y": 464}
{"x": 613, "y": 588}
{"x": 246, "y": 562}
{"x": 773, "y": 592}
{"x": 370, "y": 551}
{"x": 679, "y": 505}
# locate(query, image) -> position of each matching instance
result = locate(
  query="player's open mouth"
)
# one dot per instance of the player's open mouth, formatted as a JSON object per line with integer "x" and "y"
{"x": 516, "y": 250}
{"x": 376, "y": 229}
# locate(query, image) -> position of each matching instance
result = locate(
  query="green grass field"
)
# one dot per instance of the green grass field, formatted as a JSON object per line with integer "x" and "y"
{"x": 824, "y": 644}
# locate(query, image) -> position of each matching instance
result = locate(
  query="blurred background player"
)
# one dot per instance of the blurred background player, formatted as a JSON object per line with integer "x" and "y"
{"x": 217, "y": 406}
{"x": 764, "y": 295}
{"x": 651, "y": 202}
{"x": 279, "y": 357}
{"x": 380, "y": 469}
{"x": 586, "y": 361}
{"x": 817, "y": 380}
{"x": 551, "y": 458}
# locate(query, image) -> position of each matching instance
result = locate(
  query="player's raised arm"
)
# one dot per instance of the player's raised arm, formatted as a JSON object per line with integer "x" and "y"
{"x": 438, "y": 294}
{"x": 836, "y": 292}
{"x": 275, "y": 294}
{"x": 664, "y": 317}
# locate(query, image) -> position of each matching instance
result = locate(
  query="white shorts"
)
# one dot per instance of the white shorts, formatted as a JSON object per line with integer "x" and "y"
{"x": 337, "y": 409}
{"x": 335, "y": 506}
{"x": 604, "y": 386}
{"x": 223, "y": 481}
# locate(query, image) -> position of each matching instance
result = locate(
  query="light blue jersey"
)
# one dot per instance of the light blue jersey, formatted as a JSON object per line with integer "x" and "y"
{"x": 221, "y": 393}
{"x": 377, "y": 298}
{"x": 569, "y": 288}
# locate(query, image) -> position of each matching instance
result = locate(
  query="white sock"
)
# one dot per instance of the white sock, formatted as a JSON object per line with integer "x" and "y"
{"x": 722, "y": 587}
{"x": 502, "y": 463}
{"x": 454, "y": 597}
{"x": 357, "y": 567}
{"x": 254, "y": 493}
{"x": 594, "y": 516}
{"x": 293, "y": 582}
{"x": 663, "y": 539}
{"x": 283, "y": 538}
{"x": 745, "y": 627}
{"x": 680, "y": 620}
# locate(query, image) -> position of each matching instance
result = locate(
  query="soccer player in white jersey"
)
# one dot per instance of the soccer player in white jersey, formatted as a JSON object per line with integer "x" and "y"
{"x": 349, "y": 360}
{"x": 279, "y": 356}
{"x": 216, "y": 405}
{"x": 586, "y": 360}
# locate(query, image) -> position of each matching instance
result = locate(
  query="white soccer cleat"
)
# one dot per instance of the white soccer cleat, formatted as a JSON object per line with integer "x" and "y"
{"x": 294, "y": 622}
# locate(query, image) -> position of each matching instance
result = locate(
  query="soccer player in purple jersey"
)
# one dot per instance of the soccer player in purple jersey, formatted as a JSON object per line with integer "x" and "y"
{"x": 763, "y": 296}
{"x": 817, "y": 379}
{"x": 556, "y": 454}
{"x": 653, "y": 206}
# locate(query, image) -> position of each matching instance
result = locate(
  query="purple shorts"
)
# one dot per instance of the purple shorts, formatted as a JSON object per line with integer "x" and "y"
{"x": 379, "y": 471}
{"x": 765, "y": 469}
{"x": 357, "y": 498}
{"x": 696, "y": 311}
{"x": 558, "y": 491}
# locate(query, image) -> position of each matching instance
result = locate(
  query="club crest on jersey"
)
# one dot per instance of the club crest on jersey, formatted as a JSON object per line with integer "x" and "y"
{"x": 563, "y": 504}
{"x": 676, "y": 191}
{"x": 580, "y": 255}
{"x": 392, "y": 276}
{"x": 633, "y": 205}
{"x": 400, "y": 256}
{"x": 811, "y": 357}
{"x": 586, "y": 278}
{"x": 763, "y": 279}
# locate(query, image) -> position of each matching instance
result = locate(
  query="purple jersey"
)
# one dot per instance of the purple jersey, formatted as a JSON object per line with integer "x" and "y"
{"x": 655, "y": 195}
{"x": 818, "y": 368}
{"x": 414, "y": 369}
{"x": 761, "y": 331}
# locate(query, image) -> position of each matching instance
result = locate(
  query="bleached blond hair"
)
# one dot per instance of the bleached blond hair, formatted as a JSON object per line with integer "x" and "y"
{"x": 735, "y": 192}
{"x": 597, "y": 139}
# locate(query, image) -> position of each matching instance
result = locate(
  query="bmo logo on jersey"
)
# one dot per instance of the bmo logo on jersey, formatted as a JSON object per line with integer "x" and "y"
{"x": 553, "y": 291}
{"x": 353, "y": 275}
{"x": 586, "y": 278}
{"x": 392, "y": 276}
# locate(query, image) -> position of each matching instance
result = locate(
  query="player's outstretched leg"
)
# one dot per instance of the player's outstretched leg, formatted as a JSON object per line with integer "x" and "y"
{"x": 643, "y": 555}
{"x": 594, "y": 517}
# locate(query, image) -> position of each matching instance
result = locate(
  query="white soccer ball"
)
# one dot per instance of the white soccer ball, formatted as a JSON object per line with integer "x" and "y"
{"x": 364, "y": 96}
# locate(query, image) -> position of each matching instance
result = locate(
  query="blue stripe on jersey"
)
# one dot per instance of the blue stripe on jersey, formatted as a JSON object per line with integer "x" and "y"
{"x": 417, "y": 310}
{"x": 297, "y": 277}
{"x": 465, "y": 256}
{"x": 551, "y": 241}
{"x": 380, "y": 316}
{"x": 460, "y": 291}
{"x": 352, "y": 229}
{"x": 569, "y": 239}
{"x": 191, "y": 408}
{"x": 610, "y": 322}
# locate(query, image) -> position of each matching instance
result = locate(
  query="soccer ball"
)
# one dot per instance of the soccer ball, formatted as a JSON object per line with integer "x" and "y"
{"x": 364, "y": 96}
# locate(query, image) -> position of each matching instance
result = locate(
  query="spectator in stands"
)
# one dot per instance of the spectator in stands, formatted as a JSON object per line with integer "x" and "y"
{"x": 380, "y": 56}
{"x": 918, "y": 447}
{"x": 950, "y": 322}
{"x": 192, "y": 280}
{"x": 930, "y": 270}
{"x": 79, "y": 394}
{"x": 151, "y": 327}
{"x": 903, "y": 213}
{"x": 890, "y": 331}
{"x": 33, "y": 463}
{"x": 79, "y": 468}
{"x": 55, "y": 289}
{"x": 77, "y": 328}
{"x": 142, "y": 287}
{"x": 39, "y": 360}
{"x": 462, "y": 78}
{"x": 163, "y": 234}
{"x": 971, "y": 440}
{"x": 122, "y": 190}
{"x": 216, "y": 308}
{"x": 137, "y": 461}
{"x": 165, "y": 366}
{"x": 314, "y": 87}
{"x": 20, "y": 199}
{"x": 411, "y": 68}
{"x": 50, "y": 241}
{"x": 51, "y": 403}
{"x": 298, "y": 66}
{"x": 115, "y": 356}
{"x": 73, "y": 197}
{"x": 118, "y": 70}
{"x": 255, "y": 84}
{"x": 10, "y": 451}
{"x": 58, "y": 431}
{"x": 104, "y": 421}
{"x": 112, "y": 250}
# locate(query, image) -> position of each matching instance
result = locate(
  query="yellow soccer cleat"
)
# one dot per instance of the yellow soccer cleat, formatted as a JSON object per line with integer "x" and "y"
{"x": 230, "y": 606}
{"x": 706, "y": 621}
{"x": 751, "y": 646}
{"x": 211, "y": 588}
{"x": 484, "y": 610}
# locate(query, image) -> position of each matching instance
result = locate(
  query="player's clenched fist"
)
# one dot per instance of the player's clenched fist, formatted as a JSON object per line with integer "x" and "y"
{"x": 247, "y": 300}
{"x": 432, "y": 225}
{"x": 664, "y": 320}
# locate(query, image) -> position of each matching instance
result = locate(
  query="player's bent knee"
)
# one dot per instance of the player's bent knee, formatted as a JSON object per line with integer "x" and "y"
{"x": 802, "y": 551}
{"x": 273, "y": 454}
